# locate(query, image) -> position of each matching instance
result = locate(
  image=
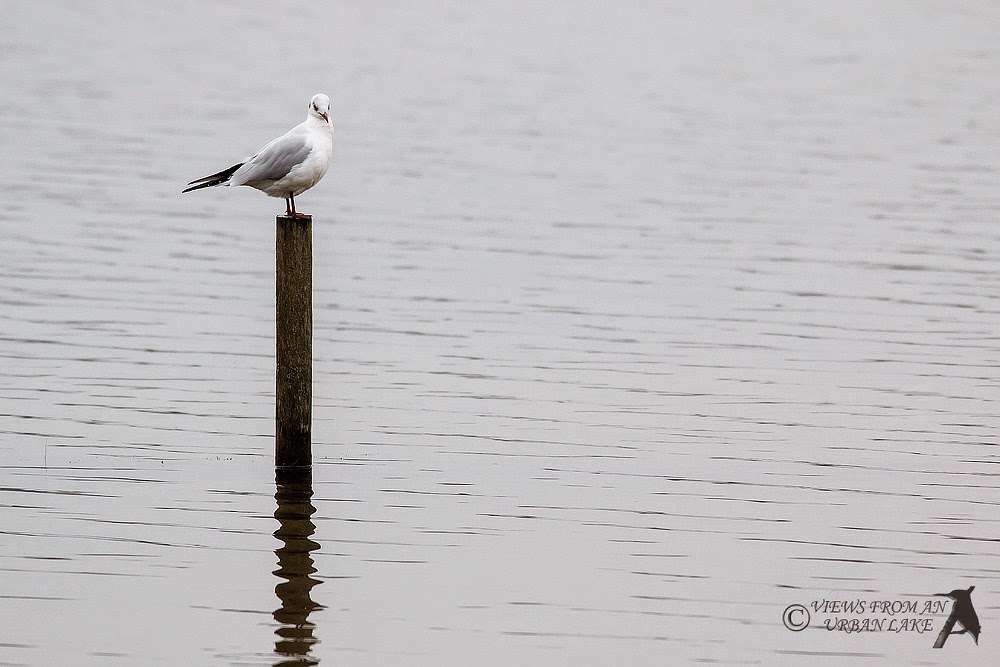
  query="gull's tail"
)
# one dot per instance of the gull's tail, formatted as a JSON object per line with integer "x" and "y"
{"x": 214, "y": 179}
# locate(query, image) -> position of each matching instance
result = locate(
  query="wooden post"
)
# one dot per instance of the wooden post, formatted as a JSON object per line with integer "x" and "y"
{"x": 949, "y": 625}
{"x": 293, "y": 338}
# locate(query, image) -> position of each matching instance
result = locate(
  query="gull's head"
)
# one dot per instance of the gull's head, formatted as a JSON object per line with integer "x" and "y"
{"x": 319, "y": 106}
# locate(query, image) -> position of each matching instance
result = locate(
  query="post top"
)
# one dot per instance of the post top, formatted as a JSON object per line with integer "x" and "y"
{"x": 298, "y": 217}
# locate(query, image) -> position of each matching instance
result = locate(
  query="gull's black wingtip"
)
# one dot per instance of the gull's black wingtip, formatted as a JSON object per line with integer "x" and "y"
{"x": 215, "y": 179}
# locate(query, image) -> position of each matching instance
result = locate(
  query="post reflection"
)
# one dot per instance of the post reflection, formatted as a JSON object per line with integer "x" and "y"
{"x": 295, "y": 568}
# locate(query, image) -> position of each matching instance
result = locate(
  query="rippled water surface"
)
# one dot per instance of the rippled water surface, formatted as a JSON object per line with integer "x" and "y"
{"x": 635, "y": 323}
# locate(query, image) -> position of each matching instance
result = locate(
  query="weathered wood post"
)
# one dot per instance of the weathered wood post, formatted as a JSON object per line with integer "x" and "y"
{"x": 949, "y": 625}
{"x": 293, "y": 337}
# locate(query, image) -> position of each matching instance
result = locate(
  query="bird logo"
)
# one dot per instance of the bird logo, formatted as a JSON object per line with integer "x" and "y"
{"x": 962, "y": 614}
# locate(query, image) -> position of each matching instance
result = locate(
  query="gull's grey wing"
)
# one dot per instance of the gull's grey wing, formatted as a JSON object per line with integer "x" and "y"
{"x": 275, "y": 160}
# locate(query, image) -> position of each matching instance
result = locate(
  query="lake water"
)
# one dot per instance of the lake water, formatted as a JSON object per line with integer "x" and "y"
{"x": 635, "y": 324}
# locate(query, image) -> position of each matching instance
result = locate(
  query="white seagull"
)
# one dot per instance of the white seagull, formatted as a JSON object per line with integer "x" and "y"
{"x": 289, "y": 165}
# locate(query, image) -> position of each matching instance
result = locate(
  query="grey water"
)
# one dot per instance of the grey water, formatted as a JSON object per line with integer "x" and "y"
{"x": 636, "y": 323}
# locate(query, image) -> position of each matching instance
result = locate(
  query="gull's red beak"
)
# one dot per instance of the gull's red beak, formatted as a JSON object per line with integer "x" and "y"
{"x": 326, "y": 117}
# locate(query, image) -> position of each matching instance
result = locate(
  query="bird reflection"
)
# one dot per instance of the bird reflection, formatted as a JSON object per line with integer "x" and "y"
{"x": 295, "y": 567}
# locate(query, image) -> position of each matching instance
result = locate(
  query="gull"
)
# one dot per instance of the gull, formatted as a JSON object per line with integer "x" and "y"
{"x": 289, "y": 165}
{"x": 963, "y": 613}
